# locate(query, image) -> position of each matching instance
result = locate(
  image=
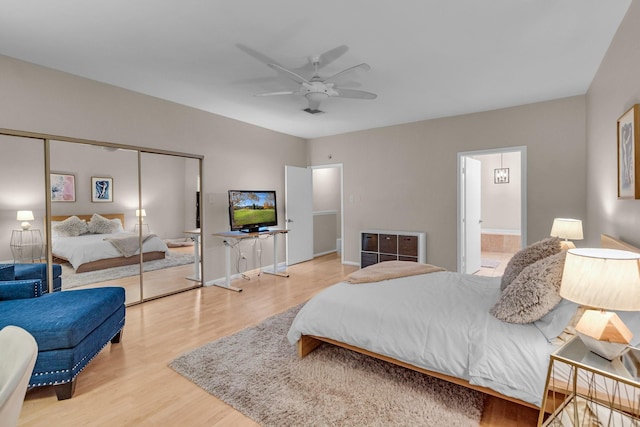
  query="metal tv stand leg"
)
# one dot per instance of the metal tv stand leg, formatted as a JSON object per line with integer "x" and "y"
{"x": 227, "y": 283}
{"x": 275, "y": 257}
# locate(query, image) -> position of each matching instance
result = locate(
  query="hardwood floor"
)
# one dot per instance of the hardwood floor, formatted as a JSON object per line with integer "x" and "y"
{"x": 130, "y": 384}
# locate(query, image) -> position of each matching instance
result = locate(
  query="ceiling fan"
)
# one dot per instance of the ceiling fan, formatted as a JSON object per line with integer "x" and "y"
{"x": 316, "y": 89}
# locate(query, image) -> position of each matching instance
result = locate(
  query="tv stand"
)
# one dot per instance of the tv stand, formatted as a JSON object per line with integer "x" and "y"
{"x": 241, "y": 235}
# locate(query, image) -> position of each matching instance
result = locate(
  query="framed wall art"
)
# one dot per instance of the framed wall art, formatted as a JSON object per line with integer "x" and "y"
{"x": 501, "y": 176}
{"x": 63, "y": 187}
{"x": 628, "y": 127}
{"x": 101, "y": 189}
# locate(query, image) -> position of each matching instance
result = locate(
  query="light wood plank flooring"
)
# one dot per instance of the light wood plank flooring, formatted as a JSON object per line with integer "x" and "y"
{"x": 130, "y": 384}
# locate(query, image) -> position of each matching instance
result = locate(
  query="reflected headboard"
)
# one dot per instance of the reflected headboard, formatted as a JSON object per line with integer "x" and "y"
{"x": 88, "y": 217}
{"x": 609, "y": 242}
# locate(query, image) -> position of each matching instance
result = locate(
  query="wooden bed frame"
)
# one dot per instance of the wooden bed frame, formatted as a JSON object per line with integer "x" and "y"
{"x": 307, "y": 343}
{"x": 108, "y": 262}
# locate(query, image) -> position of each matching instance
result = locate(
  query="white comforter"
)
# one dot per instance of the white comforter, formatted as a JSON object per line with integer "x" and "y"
{"x": 92, "y": 247}
{"x": 437, "y": 321}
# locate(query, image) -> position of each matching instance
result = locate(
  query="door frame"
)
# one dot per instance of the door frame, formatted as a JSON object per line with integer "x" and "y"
{"x": 460, "y": 195}
{"x": 340, "y": 166}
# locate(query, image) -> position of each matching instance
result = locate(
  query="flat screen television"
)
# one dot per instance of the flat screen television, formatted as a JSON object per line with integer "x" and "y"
{"x": 252, "y": 211}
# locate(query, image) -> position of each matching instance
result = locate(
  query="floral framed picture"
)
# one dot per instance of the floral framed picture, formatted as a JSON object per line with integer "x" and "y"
{"x": 101, "y": 189}
{"x": 63, "y": 187}
{"x": 628, "y": 138}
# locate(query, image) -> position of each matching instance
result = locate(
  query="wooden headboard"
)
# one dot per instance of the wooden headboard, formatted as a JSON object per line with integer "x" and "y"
{"x": 88, "y": 217}
{"x": 609, "y": 242}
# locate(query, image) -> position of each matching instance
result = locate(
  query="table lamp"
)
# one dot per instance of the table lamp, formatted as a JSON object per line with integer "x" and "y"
{"x": 25, "y": 217}
{"x": 602, "y": 279}
{"x": 140, "y": 214}
{"x": 567, "y": 229}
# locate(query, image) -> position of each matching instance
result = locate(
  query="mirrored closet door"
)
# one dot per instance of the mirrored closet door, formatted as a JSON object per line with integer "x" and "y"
{"x": 107, "y": 214}
{"x": 22, "y": 200}
{"x": 170, "y": 211}
{"x": 93, "y": 233}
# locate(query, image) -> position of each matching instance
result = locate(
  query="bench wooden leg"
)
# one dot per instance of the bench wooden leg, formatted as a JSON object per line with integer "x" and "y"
{"x": 66, "y": 390}
{"x": 116, "y": 338}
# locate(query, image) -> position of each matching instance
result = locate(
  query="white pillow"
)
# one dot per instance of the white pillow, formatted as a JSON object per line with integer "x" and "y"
{"x": 71, "y": 227}
{"x": 101, "y": 225}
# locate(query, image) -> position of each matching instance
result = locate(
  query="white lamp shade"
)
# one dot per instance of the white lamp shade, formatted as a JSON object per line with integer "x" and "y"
{"x": 567, "y": 228}
{"x": 141, "y": 212}
{"x": 607, "y": 279}
{"x": 25, "y": 216}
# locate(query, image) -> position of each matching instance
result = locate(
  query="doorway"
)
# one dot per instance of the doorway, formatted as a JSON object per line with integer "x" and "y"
{"x": 323, "y": 220}
{"x": 492, "y": 213}
{"x": 327, "y": 210}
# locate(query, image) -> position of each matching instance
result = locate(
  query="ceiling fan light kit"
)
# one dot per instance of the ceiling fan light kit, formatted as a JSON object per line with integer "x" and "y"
{"x": 317, "y": 89}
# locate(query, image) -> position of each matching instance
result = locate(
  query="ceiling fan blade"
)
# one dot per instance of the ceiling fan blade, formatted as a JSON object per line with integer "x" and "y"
{"x": 352, "y": 93}
{"x": 255, "y": 54}
{"x": 322, "y": 60}
{"x": 331, "y": 55}
{"x": 286, "y": 92}
{"x": 295, "y": 77}
{"x": 363, "y": 66}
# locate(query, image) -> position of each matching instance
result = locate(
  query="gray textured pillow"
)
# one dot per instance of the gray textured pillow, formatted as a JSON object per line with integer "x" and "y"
{"x": 101, "y": 225}
{"x": 71, "y": 227}
{"x": 534, "y": 293}
{"x": 527, "y": 256}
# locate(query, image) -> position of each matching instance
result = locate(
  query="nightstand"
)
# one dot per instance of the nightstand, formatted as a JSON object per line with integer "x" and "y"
{"x": 584, "y": 389}
{"x": 26, "y": 245}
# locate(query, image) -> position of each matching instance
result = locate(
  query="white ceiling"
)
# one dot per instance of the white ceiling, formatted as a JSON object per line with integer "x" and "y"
{"x": 428, "y": 58}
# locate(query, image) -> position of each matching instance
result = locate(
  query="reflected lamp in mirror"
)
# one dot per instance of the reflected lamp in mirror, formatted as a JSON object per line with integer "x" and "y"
{"x": 141, "y": 225}
{"x": 602, "y": 279}
{"x": 567, "y": 229}
{"x": 25, "y": 217}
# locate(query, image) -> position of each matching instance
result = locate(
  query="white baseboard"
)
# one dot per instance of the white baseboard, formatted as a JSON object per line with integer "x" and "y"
{"x": 332, "y": 251}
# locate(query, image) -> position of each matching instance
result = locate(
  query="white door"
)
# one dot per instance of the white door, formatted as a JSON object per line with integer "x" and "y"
{"x": 298, "y": 193}
{"x": 471, "y": 219}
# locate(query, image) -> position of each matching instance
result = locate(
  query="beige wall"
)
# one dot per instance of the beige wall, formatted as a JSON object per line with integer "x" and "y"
{"x": 613, "y": 91}
{"x": 404, "y": 177}
{"x": 237, "y": 155}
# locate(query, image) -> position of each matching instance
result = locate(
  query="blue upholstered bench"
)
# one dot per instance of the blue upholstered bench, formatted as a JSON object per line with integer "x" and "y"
{"x": 39, "y": 271}
{"x": 32, "y": 271}
{"x": 70, "y": 327}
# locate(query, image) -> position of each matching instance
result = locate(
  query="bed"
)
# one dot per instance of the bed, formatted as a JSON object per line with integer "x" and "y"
{"x": 90, "y": 251}
{"x": 439, "y": 324}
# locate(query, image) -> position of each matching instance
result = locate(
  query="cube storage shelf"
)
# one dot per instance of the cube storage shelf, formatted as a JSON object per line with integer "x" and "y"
{"x": 388, "y": 245}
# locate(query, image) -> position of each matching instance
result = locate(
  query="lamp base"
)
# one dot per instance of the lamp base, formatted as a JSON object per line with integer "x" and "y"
{"x": 25, "y": 225}
{"x": 608, "y": 350}
{"x": 567, "y": 244}
{"x": 603, "y": 333}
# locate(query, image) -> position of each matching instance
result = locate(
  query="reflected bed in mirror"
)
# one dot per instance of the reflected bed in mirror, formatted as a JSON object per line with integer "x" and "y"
{"x": 103, "y": 243}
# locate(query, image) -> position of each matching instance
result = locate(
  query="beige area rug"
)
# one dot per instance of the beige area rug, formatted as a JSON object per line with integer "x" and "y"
{"x": 71, "y": 279}
{"x": 257, "y": 372}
